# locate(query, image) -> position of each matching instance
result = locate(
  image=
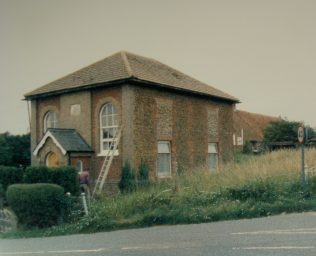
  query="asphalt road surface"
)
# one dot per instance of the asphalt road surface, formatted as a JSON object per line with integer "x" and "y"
{"x": 283, "y": 235}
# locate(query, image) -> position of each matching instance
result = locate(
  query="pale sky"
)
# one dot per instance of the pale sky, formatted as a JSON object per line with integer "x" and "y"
{"x": 260, "y": 51}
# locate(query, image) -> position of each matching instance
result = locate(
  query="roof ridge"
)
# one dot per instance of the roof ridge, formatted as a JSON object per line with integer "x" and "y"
{"x": 258, "y": 114}
{"x": 127, "y": 64}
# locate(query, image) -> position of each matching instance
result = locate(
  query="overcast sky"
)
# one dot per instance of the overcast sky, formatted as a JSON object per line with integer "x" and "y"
{"x": 260, "y": 51}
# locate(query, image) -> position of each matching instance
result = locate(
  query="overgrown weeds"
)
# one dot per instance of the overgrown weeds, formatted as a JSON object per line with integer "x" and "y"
{"x": 255, "y": 186}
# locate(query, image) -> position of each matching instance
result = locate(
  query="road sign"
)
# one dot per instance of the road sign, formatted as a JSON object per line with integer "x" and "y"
{"x": 301, "y": 134}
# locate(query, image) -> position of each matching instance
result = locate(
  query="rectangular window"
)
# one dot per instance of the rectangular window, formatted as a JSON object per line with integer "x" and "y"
{"x": 164, "y": 159}
{"x": 212, "y": 157}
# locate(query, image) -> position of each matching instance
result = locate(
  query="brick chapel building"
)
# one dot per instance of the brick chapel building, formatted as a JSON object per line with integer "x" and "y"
{"x": 169, "y": 120}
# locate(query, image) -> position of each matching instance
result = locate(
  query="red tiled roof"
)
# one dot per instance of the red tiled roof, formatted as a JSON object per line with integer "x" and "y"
{"x": 252, "y": 124}
{"x": 128, "y": 66}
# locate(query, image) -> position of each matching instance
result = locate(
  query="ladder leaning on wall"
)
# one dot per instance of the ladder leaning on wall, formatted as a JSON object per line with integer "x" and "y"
{"x": 107, "y": 162}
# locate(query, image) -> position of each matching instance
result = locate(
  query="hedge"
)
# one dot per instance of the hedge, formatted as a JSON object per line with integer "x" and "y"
{"x": 65, "y": 176}
{"x": 10, "y": 175}
{"x": 37, "y": 205}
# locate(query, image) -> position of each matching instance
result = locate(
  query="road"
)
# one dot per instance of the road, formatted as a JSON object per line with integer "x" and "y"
{"x": 283, "y": 235}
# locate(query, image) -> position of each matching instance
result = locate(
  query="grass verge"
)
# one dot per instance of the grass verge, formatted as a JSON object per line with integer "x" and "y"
{"x": 255, "y": 187}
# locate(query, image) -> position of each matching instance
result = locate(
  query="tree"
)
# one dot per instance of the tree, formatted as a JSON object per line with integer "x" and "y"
{"x": 284, "y": 131}
{"x": 15, "y": 149}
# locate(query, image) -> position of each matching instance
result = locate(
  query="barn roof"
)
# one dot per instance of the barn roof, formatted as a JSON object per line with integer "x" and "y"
{"x": 252, "y": 124}
{"x": 124, "y": 66}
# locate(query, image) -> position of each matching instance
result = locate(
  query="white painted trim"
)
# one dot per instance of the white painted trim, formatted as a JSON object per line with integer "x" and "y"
{"x": 106, "y": 152}
{"x": 43, "y": 140}
{"x": 159, "y": 175}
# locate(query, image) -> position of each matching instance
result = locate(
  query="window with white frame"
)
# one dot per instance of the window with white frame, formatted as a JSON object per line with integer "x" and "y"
{"x": 212, "y": 160}
{"x": 79, "y": 166}
{"x": 108, "y": 128}
{"x": 164, "y": 159}
{"x": 50, "y": 120}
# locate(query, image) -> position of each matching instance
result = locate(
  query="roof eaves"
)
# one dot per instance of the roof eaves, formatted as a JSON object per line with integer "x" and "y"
{"x": 140, "y": 81}
{"x": 30, "y": 96}
{"x": 43, "y": 140}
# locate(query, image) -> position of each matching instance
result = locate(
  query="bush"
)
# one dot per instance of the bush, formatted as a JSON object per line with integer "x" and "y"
{"x": 1, "y": 196}
{"x": 127, "y": 182}
{"x": 254, "y": 190}
{"x": 37, "y": 205}
{"x": 143, "y": 174}
{"x": 312, "y": 185}
{"x": 247, "y": 148}
{"x": 38, "y": 174}
{"x": 10, "y": 175}
{"x": 65, "y": 176}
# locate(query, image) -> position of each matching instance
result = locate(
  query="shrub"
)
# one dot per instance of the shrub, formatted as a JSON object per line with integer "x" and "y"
{"x": 37, "y": 205}
{"x": 312, "y": 185}
{"x": 127, "y": 182}
{"x": 38, "y": 174}
{"x": 247, "y": 148}
{"x": 10, "y": 175}
{"x": 65, "y": 176}
{"x": 1, "y": 196}
{"x": 143, "y": 174}
{"x": 261, "y": 190}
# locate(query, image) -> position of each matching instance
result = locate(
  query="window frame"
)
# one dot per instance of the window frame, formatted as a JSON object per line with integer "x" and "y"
{"x": 159, "y": 175}
{"x": 212, "y": 153}
{"x": 53, "y": 122}
{"x": 104, "y": 116}
{"x": 79, "y": 166}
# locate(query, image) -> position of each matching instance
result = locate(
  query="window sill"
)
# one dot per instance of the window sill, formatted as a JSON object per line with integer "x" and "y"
{"x": 164, "y": 176}
{"x": 106, "y": 152}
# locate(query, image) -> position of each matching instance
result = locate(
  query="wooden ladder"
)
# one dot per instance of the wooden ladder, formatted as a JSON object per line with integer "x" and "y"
{"x": 107, "y": 162}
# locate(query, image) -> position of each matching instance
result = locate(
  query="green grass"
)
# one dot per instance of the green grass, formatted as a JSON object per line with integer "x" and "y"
{"x": 253, "y": 187}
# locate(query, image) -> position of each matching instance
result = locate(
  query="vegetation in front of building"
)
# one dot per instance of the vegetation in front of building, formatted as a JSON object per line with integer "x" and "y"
{"x": 65, "y": 176}
{"x": 284, "y": 131}
{"x": 37, "y": 205}
{"x": 256, "y": 186}
{"x": 15, "y": 150}
{"x": 133, "y": 179}
{"x": 10, "y": 175}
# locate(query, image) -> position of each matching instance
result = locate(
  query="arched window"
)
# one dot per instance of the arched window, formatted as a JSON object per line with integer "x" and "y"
{"x": 52, "y": 160}
{"x": 108, "y": 127}
{"x": 50, "y": 120}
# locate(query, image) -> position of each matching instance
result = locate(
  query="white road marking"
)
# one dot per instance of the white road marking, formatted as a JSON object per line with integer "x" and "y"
{"x": 135, "y": 248}
{"x": 302, "y": 231}
{"x": 132, "y": 248}
{"x": 78, "y": 251}
{"x": 21, "y": 253}
{"x": 275, "y": 248}
{"x": 49, "y": 252}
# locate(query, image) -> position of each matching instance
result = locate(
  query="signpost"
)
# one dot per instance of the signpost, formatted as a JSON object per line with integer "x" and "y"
{"x": 301, "y": 140}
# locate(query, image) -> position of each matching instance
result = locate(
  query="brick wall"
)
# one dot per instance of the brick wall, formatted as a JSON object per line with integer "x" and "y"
{"x": 99, "y": 97}
{"x": 188, "y": 121}
{"x": 149, "y": 114}
{"x": 75, "y": 113}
